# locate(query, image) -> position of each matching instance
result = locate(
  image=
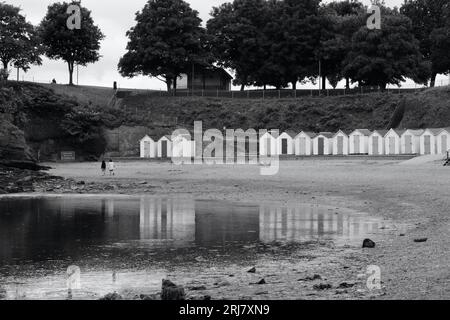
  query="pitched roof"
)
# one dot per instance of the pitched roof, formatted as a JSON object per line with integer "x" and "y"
{"x": 310, "y": 134}
{"x": 291, "y": 133}
{"x": 434, "y": 131}
{"x": 365, "y": 132}
{"x": 396, "y": 131}
{"x": 381, "y": 132}
{"x": 417, "y": 133}
{"x": 340, "y": 131}
{"x": 147, "y": 137}
{"x": 326, "y": 134}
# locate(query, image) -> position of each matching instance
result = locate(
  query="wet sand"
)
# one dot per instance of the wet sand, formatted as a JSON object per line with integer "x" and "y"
{"x": 415, "y": 199}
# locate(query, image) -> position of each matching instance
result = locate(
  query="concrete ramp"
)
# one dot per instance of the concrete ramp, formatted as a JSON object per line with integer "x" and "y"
{"x": 428, "y": 159}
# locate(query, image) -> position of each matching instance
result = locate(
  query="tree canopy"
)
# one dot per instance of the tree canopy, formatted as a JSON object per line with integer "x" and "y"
{"x": 166, "y": 41}
{"x": 75, "y": 47}
{"x": 19, "y": 43}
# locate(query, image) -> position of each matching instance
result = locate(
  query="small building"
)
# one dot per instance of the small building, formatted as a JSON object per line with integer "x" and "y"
{"x": 428, "y": 141}
{"x": 410, "y": 141}
{"x": 376, "y": 143}
{"x": 443, "y": 141}
{"x": 267, "y": 145}
{"x": 340, "y": 144}
{"x": 205, "y": 78}
{"x": 359, "y": 141}
{"x": 164, "y": 147}
{"x": 303, "y": 144}
{"x": 147, "y": 147}
{"x": 285, "y": 143}
{"x": 323, "y": 144}
{"x": 392, "y": 142}
{"x": 183, "y": 147}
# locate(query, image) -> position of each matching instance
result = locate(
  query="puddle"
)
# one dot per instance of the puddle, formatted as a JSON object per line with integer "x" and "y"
{"x": 41, "y": 236}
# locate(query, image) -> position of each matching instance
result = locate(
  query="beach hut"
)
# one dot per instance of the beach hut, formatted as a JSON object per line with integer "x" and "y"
{"x": 359, "y": 141}
{"x": 392, "y": 141}
{"x": 323, "y": 144}
{"x": 376, "y": 142}
{"x": 443, "y": 141}
{"x": 285, "y": 143}
{"x": 410, "y": 141}
{"x": 183, "y": 147}
{"x": 267, "y": 145}
{"x": 165, "y": 147}
{"x": 303, "y": 143}
{"x": 340, "y": 144}
{"x": 148, "y": 147}
{"x": 428, "y": 141}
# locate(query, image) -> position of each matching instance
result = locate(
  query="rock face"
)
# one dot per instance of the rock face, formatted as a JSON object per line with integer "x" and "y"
{"x": 12, "y": 143}
{"x": 170, "y": 291}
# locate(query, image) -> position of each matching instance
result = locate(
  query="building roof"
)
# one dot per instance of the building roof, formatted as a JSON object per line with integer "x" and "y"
{"x": 146, "y": 137}
{"x": 417, "y": 133}
{"x": 291, "y": 133}
{"x": 166, "y": 137}
{"x": 326, "y": 134}
{"x": 434, "y": 131}
{"x": 381, "y": 132}
{"x": 365, "y": 132}
{"x": 340, "y": 131}
{"x": 396, "y": 131}
{"x": 446, "y": 129}
{"x": 310, "y": 134}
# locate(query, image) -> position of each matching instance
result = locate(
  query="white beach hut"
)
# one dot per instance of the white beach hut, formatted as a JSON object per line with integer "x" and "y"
{"x": 285, "y": 143}
{"x": 376, "y": 142}
{"x": 443, "y": 141}
{"x": 359, "y": 141}
{"x": 303, "y": 143}
{"x": 148, "y": 147}
{"x": 183, "y": 147}
{"x": 428, "y": 141}
{"x": 165, "y": 147}
{"x": 392, "y": 142}
{"x": 410, "y": 141}
{"x": 267, "y": 145}
{"x": 340, "y": 144}
{"x": 323, "y": 144}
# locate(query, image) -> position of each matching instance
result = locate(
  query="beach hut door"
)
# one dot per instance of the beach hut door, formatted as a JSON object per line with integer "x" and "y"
{"x": 375, "y": 145}
{"x": 321, "y": 143}
{"x": 408, "y": 143}
{"x": 284, "y": 146}
{"x": 391, "y": 145}
{"x": 357, "y": 145}
{"x": 427, "y": 145}
{"x": 147, "y": 149}
{"x": 340, "y": 145}
{"x": 444, "y": 144}
{"x": 268, "y": 147}
{"x": 164, "y": 149}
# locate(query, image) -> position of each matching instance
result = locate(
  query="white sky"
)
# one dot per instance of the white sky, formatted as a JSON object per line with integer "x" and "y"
{"x": 114, "y": 18}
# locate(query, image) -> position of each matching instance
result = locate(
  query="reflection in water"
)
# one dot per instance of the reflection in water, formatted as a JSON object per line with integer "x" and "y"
{"x": 52, "y": 228}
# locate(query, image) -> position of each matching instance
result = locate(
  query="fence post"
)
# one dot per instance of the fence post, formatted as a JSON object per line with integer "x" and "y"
{"x": 264, "y": 94}
{"x": 295, "y": 93}
{"x": 311, "y": 93}
{"x": 232, "y": 94}
{"x": 279, "y": 94}
{"x": 248, "y": 94}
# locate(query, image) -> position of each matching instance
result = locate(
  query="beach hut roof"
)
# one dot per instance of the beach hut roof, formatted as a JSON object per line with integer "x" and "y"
{"x": 291, "y": 133}
{"x": 381, "y": 132}
{"x": 396, "y": 131}
{"x": 446, "y": 129}
{"x": 147, "y": 137}
{"x": 340, "y": 131}
{"x": 434, "y": 131}
{"x": 326, "y": 134}
{"x": 365, "y": 132}
{"x": 417, "y": 133}
{"x": 310, "y": 134}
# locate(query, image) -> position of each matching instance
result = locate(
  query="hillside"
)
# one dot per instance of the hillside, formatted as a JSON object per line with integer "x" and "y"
{"x": 40, "y": 121}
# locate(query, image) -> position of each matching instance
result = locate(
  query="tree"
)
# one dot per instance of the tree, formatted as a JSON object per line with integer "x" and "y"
{"x": 166, "y": 41}
{"x": 237, "y": 39}
{"x": 19, "y": 43}
{"x": 440, "y": 48}
{"x": 427, "y": 16}
{"x": 75, "y": 47}
{"x": 386, "y": 56}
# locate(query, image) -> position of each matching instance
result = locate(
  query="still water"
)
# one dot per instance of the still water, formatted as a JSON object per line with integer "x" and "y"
{"x": 40, "y": 236}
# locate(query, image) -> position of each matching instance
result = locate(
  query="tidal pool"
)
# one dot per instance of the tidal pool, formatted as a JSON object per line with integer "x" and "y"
{"x": 142, "y": 239}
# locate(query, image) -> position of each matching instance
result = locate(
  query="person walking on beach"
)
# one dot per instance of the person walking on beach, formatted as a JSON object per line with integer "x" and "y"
{"x": 103, "y": 167}
{"x": 111, "y": 168}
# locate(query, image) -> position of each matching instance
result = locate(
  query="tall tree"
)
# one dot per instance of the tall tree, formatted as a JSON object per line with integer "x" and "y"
{"x": 237, "y": 39}
{"x": 427, "y": 16}
{"x": 75, "y": 47}
{"x": 386, "y": 56}
{"x": 166, "y": 41}
{"x": 19, "y": 43}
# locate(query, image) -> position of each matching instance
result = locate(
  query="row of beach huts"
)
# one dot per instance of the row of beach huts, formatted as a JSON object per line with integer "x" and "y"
{"x": 431, "y": 141}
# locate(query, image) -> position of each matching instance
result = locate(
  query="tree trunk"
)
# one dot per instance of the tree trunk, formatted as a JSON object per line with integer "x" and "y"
{"x": 324, "y": 83}
{"x": 5, "y": 67}
{"x": 347, "y": 83}
{"x": 383, "y": 86}
{"x": 433, "y": 80}
{"x": 265, "y": 87}
{"x": 70, "y": 73}
{"x": 242, "y": 87}
{"x": 175, "y": 85}
{"x": 294, "y": 85}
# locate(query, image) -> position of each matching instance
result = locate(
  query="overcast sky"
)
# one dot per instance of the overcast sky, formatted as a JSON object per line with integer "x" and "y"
{"x": 114, "y": 18}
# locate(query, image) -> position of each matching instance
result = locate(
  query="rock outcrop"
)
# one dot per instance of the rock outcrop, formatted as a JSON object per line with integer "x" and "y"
{"x": 13, "y": 145}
